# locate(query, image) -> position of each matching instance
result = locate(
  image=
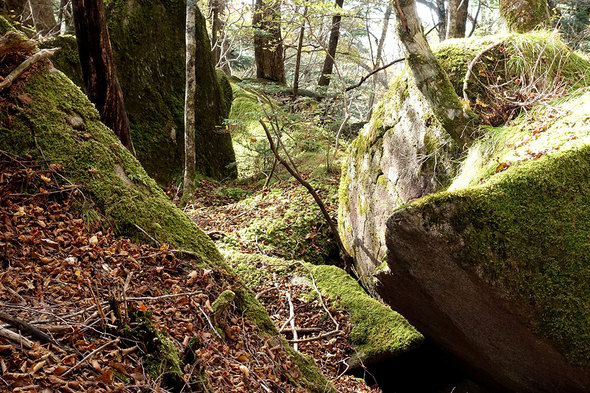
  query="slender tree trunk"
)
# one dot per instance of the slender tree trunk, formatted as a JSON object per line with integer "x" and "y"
{"x": 524, "y": 15}
{"x": 328, "y": 67}
{"x": 298, "y": 58}
{"x": 441, "y": 12}
{"x": 268, "y": 42}
{"x": 379, "y": 54}
{"x": 430, "y": 78}
{"x": 190, "y": 153}
{"x": 98, "y": 67}
{"x": 457, "y": 18}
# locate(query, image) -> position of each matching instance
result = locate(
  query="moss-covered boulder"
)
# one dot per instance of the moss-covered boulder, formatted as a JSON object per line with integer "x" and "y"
{"x": 496, "y": 269}
{"x": 377, "y": 334}
{"x": 403, "y": 153}
{"x": 493, "y": 266}
{"x": 148, "y": 44}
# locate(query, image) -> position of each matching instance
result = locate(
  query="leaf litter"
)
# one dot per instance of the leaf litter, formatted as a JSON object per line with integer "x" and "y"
{"x": 82, "y": 289}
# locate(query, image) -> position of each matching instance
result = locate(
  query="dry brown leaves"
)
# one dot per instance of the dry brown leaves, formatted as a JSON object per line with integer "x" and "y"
{"x": 57, "y": 275}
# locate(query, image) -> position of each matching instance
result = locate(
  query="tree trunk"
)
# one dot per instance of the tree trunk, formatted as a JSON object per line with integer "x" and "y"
{"x": 457, "y": 18}
{"x": 524, "y": 15}
{"x": 37, "y": 13}
{"x": 218, "y": 36}
{"x": 190, "y": 153}
{"x": 429, "y": 76}
{"x": 268, "y": 43}
{"x": 328, "y": 67}
{"x": 98, "y": 67}
{"x": 441, "y": 12}
{"x": 298, "y": 58}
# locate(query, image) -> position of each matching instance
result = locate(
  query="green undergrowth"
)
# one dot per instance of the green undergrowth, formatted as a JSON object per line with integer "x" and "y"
{"x": 377, "y": 331}
{"x": 307, "y": 143}
{"x": 286, "y": 222}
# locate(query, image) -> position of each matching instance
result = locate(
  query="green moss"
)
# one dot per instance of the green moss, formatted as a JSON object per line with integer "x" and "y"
{"x": 311, "y": 377}
{"x": 66, "y": 59}
{"x": 151, "y": 69}
{"x": 223, "y": 301}
{"x": 161, "y": 357}
{"x": 226, "y": 92}
{"x": 112, "y": 176}
{"x": 526, "y": 232}
{"x": 525, "y": 15}
{"x": 377, "y": 331}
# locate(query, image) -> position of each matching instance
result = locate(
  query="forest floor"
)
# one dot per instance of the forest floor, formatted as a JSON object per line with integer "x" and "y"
{"x": 83, "y": 310}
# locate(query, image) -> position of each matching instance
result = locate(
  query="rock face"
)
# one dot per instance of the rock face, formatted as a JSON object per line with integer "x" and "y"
{"x": 402, "y": 154}
{"x": 493, "y": 266}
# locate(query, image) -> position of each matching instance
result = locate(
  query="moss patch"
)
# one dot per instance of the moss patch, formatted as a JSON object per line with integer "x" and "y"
{"x": 526, "y": 232}
{"x": 66, "y": 59}
{"x": 377, "y": 331}
{"x": 94, "y": 158}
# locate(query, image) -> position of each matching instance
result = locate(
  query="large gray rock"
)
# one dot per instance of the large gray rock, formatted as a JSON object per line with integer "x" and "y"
{"x": 402, "y": 154}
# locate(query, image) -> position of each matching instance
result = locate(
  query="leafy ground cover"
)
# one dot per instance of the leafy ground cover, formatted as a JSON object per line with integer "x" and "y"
{"x": 104, "y": 314}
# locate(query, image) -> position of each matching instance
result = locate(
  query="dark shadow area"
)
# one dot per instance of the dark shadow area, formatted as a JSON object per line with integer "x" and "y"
{"x": 425, "y": 370}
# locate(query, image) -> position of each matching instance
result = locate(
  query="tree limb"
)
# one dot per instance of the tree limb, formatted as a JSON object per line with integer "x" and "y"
{"x": 43, "y": 53}
{"x": 347, "y": 258}
{"x": 376, "y": 70}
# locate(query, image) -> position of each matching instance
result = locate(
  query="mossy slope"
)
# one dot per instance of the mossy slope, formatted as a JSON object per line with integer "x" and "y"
{"x": 93, "y": 158}
{"x": 377, "y": 332}
{"x": 60, "y": 126}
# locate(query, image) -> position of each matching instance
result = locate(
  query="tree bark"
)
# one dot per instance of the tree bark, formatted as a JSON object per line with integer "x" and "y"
{"x": 268, "y": 42}
{"x": 98, "y": 67}
{"x": 429, "y": 76}
{"x": 379, "y": 54}
{"x": 524, "y": 15}
{"x": 190, "y": 153}
{"x": 457, "y": 18}
{"x": 328, "y": 67}
{"x": 298, "y": 58}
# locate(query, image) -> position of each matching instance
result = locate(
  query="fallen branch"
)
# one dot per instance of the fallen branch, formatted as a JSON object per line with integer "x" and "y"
{"x": 17, "y": 338}
{"x": 43, "y": 53}
{"x": 210, "y": 323}
{"x": 25, "y": 327}
{"x": 347, "y": 258}
{"x": 313, "y": 338}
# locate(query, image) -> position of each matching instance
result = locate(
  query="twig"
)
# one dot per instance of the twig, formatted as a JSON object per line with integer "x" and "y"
{"x": 147, "y": 234}
{"x": 85, "y": 358}
{"x": 292, "y": 319}
{"x": 472, "y": 64}
{"x": 146, "y": 298}
{"x": 370, "y": 74}
{"x": 347, "y": 258}
{"x": 43, "y": 53}
{"x": 18, "y": 338}
{"x": 210, "y": 324}
{"x": 313, "y": 338}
